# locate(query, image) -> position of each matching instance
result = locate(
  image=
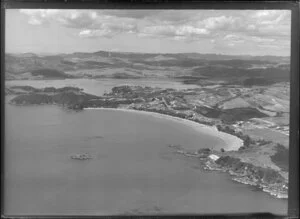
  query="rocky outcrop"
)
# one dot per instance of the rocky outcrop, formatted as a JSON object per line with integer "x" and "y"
{"x": 259, "y": 174}
{"x": 269, "y": 180}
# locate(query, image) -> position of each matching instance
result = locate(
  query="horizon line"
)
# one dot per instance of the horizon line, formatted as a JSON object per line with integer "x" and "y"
{"x": 153, "y": 53}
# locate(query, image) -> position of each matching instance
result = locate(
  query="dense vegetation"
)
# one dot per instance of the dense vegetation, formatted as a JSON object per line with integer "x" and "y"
{"x": 50, "y": 95}
{"x": 258, "y": 81}
{"x": 230, "y": 115}
{"x": 50, "y": 73}
{"x": 261, "y": 174}
{"x": 281, "y": 157}
{"x": 248, "y": 141}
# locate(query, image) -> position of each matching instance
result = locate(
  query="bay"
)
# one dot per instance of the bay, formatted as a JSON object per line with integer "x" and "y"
{"x": 132, "y": 170}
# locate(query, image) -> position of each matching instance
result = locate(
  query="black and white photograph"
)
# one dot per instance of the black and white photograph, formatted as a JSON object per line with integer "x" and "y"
{"x": 146, "y": 112}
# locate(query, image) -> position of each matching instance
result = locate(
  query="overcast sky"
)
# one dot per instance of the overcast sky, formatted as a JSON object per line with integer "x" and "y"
{"x": 255, "y": 32}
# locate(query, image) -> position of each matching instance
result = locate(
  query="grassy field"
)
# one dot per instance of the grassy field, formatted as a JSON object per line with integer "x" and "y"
{"x": 268, "y": 134}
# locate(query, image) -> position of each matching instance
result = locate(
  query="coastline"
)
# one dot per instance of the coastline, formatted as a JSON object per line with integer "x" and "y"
{"x": 271, "y": 189}
{"x": 232, "y": 143}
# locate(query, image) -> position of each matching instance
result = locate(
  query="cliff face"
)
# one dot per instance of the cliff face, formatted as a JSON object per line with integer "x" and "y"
{"x": 259, "y": 174}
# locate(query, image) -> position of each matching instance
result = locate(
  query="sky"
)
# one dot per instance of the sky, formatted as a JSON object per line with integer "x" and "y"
{"x": 232, "y": 32}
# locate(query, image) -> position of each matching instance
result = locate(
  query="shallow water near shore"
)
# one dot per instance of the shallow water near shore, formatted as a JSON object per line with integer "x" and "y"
{"x": 132, "y": 171}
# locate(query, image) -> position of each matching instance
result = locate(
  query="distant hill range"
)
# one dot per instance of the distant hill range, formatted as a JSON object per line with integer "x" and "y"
{"x": 192, "y": 67}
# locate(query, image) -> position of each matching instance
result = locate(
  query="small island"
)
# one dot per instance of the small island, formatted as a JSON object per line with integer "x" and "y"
{"x": 84, "y": 156}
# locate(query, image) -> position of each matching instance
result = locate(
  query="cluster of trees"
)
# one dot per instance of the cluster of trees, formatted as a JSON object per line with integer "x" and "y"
{"x": 63, "y": 89}
{"x": 247, "y": 140}
{"x": 47, "y": 89}
{"x": 32, "y": 99}
{"x": 229, "y": 116}
{"x": 121, "y": 89}
{"x": 50, "y": 73}
{"x": 127, "y": 92}
{"x": 257, "y": 81}
{"x": 204, "y": 151}
{"x": 260, "y": 173}
{"x": 281, "y": 157}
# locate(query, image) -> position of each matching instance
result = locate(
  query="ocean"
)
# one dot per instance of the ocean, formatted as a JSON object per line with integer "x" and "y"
{"x": 133, "y": 171}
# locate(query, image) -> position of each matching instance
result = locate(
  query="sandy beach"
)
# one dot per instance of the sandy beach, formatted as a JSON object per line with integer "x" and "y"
{"x": 231, "y": 142}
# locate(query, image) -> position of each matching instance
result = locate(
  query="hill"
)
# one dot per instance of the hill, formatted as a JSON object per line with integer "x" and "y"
{"x": 50, "y": 73}
{"x": 246, "y": 70}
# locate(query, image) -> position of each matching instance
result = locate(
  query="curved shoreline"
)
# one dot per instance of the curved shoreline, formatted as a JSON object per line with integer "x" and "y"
{"x": 232, "y": 143}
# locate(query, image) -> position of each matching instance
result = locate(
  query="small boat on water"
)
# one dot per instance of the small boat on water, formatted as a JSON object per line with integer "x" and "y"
{"x": 84, "y": 156}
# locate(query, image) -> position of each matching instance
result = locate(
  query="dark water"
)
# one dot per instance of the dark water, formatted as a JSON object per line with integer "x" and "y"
{"x": 133, "y": 170}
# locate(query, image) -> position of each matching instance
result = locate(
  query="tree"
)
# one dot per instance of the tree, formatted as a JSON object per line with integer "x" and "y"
{"x": 242, "y": 148}
{"x": 247, "y": 141}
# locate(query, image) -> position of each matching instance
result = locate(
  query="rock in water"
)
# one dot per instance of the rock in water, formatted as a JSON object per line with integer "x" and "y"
{"x": 84, "y": 156}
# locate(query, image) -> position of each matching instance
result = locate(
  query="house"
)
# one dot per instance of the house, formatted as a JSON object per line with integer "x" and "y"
{"x": 213, "y": 157}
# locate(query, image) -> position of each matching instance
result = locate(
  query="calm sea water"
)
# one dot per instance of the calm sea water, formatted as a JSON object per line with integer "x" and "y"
{"x": 133, "y": 170}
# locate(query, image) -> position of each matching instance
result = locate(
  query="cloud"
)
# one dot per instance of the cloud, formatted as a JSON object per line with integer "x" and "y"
{"x": 233, "y": 39}
{"x": 173, "y": 32}
{"x": 230, "y": 27}
{"x": 107, "y": 30}
{"x": 134, "y": 14}
{"x": 277, "y": 47}
{"x": 38, "y": 16}
{"x": 77, "y": 19}
{"x": 222, "y": 23}
{"x": 270, "y": 15}
{"x": 87, "y": 33}
{"x": 90, "y": 23}
{"x": 262, "y": 40}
